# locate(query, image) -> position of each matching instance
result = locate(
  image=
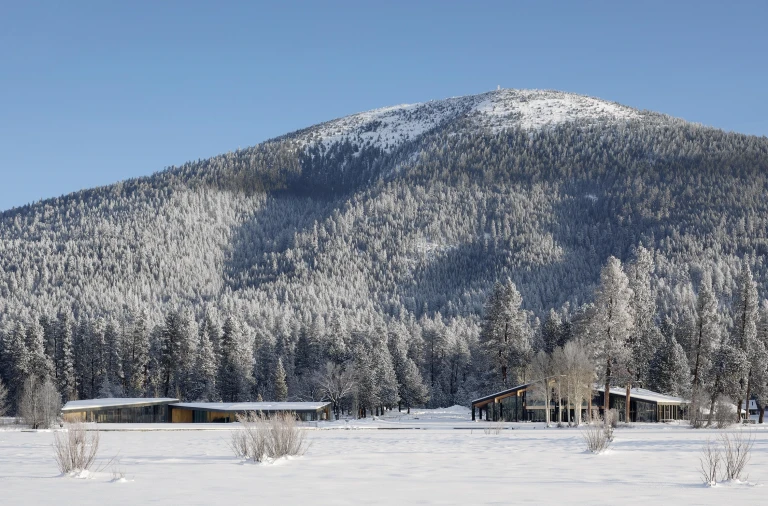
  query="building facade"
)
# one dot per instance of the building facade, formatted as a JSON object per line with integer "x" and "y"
{"x": 524, "y": 403}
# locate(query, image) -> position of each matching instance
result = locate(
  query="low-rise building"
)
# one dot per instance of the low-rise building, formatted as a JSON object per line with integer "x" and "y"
{"x": 118, "y": 410}
{"x": 518, "y": 404}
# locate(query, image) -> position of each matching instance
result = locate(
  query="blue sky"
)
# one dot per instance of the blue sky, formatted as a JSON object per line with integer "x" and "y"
{"x": 96, "y": 92}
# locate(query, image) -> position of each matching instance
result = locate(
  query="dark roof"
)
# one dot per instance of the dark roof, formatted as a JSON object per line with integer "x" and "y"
{"x": 503, "y": 392}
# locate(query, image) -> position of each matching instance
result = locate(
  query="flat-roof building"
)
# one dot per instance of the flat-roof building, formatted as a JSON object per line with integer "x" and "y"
{"x": 217, "y": 412}
{"x": 162, "y": 410}
{"x": 117, "y": 410}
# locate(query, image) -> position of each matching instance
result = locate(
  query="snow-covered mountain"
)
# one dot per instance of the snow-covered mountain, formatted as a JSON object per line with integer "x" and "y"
{"x": 405, "y": 210}
{"x": 386, "y": 228}
{"x": 389, "y": 127}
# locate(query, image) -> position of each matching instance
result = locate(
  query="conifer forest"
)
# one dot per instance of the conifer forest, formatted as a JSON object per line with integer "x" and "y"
{"x": 423, "y": 257}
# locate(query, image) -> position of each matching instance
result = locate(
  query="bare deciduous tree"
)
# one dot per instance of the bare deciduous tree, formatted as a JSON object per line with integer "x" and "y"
{"x": 40, "y": 403}
{"x": 336, "y": 382}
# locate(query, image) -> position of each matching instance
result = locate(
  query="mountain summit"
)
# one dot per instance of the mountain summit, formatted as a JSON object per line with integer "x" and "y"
{"x": 497, "y": 110}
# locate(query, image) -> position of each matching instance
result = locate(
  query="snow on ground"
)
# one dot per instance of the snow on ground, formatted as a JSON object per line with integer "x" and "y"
{"x": 388, "y": 127}
{"x": 537, "y": 109}
{"x": 652, "y": 463}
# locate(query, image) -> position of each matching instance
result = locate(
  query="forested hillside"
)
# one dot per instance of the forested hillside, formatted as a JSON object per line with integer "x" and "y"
{"x": 373, "y": 243}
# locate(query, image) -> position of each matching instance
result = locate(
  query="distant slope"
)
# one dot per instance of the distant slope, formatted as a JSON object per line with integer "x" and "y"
{"x": 405, "y": 211}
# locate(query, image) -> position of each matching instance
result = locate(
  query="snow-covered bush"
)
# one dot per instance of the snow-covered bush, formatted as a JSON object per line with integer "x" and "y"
{"x": 40, "y": 403}
{"x": 75, "y": 448}
{"x": 597, "y": 435}
{"x": 262, "y": 439}
{"x": 724, "y": 413}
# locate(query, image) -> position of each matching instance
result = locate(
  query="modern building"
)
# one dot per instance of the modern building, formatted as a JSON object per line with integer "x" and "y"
{"x": 162, "y": 410}
{"x": 519, "y": 404}
{"x": 224, "y": 412}
{"x": 644, "y": 405}
{"x": 141, "y": 410}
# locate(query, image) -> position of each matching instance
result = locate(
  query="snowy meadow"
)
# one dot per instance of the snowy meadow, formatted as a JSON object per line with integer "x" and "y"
{"x": 428, "y": 457}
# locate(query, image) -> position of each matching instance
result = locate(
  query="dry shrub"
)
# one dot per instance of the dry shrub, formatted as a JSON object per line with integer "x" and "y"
{"x": 737, "y": 449}
{"x": 709, "y": 462}
{"x": 598, "y": 435}
{"x": 75, "y": 448}
{"x": 492, "y": 430}
{"x": 732, "y": 454}
{"x": 262, "y": 439}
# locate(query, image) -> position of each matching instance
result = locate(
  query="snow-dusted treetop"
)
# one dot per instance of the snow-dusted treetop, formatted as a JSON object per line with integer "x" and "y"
{"x": 388, "y": 127}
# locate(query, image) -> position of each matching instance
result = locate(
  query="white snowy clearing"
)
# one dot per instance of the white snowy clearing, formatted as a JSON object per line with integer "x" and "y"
{"x": 447, "y": 460}
{"x": 388, "y": 127}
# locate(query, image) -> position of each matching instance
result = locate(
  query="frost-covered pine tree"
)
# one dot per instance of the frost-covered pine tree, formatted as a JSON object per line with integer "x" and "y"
{"x": 16, "y": 361}
{"x": 65, "y": 363}
{"x": 411, "y": 388}
{"x": 730, "y": 365}
{"x": 506, "y": 334}
{"x": 645, "y": 337}
{"x": 745, "y": 314}
{"x": 236, "y": 367}
{"x": 365, "y": 368}
{"x": 113, "y": 384}
{"x": 337, "y": 338}
{"x": 205, "y": 371}
{"x": 551, "y": 331}
{"x": 761, "y": 390}
{"x": 706, "y": 332}
{"x": 281, "y": 386}
{"x": 385, "y": 373}
{"x": 670, "y": 373}
{"x": 611, "y": 324}
{"x": 40, "y": 364}
{"x": 136, "y": 354}
{"x": 3, "y": 398}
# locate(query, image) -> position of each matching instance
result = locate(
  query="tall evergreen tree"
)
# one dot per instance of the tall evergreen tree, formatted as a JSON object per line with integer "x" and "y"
{"x": 506, "y": 334}
{"x": 236, "y": 368}
{"x": 670, "y": 373}
{"x": 206, "y": 370}
{"x": 281, "y": 386}
{"x": 611, "y": 324}
{"x": 706, "y": 332}
{"x": 745, "y": 328}
{"x": 136, "y": 356}
{"x": 65, "y": 363}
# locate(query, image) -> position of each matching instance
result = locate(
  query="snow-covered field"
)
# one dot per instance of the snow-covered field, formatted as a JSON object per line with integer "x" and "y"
{"x": 447, "y": 460}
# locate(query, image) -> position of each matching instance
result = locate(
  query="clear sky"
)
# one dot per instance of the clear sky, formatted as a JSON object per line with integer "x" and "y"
{"x": 95, "y": 92}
